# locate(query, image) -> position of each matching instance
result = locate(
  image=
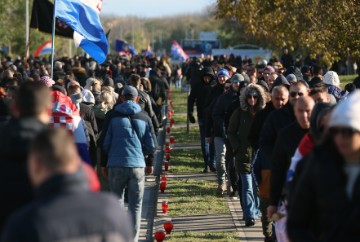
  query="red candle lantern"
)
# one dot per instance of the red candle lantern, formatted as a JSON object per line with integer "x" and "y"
{"x": 168, "y": 226}
{"x": 165, "y": 207}
{"x": 172, "y": 112}
{"x": 168, "y": 149}
{"x": 166, "y": 165}
{"x": 163, "y": 178}
{"x": 168, "y": 130}
{"x": 172, "y": 104}
{"x": 167, "y": 157}
{"x": 159, "y": 236}
{"x": 172, "y": 121}
{"x": 172, "y": 140}
{"x": 162, "y": 187}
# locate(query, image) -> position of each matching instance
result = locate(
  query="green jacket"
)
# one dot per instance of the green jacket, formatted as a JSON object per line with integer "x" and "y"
{"x": 240, "y": 125}
{"x": 238, "y": 132}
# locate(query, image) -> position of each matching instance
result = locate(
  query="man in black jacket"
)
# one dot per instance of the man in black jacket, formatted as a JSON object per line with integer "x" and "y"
{"x": 31, "y": 111}
{"x": 285, "y": 146}
{"x": 198, "y": 94}
{"x": 64, "y": 208}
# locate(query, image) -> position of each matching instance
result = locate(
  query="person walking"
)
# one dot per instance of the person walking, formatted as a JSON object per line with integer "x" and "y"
{"x": 252, "y": 100}
{"x": 129, "y": 136}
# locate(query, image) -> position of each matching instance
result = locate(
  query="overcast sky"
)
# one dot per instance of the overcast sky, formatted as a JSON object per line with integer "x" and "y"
{"x": 153, "y": 8}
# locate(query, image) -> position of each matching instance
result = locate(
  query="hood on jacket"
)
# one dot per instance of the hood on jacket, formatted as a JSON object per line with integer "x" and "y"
{"x": 261, "y": 102}
{"x": 318, "y": 112}
{"x": 208, "y": 71}
{"x": 128, "y": 107}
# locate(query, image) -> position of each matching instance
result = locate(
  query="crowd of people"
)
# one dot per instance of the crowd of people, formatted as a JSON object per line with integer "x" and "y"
{"x": 113, "y": 113}
{"x": 284, "y": 139}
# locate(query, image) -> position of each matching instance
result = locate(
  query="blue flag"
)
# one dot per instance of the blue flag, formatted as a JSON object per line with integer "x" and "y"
{"x": 124, "y": 48}
{"x": 84, "y": 18}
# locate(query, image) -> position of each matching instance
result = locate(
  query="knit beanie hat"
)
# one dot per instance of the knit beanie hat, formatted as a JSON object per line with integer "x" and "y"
{"x": 331, "y": 78}
{"x": 47, "y": 81}
{"x": 346, "y": 113}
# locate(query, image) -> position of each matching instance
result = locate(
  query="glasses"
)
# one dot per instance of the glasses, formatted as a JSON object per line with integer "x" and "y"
{"x": 345, "y": 132}
{"x": 294, "y": 94}
{"x": 252, "y": 96}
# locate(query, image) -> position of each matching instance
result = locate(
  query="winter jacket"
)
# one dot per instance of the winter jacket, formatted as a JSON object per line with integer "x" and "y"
{"x": 337, "y": 92}
{"x": 239, "y": 127}
{"x": 145, "y": 104}
{"x": 199, "y": 92}
{"x": 276, "y": 120}
{"x": 66, "y": 210}
{"x": 128, "y": 138}
{"x": 285, "y": 146}
{"x": 320, "y": 208}
{"x": 219, "y": 112}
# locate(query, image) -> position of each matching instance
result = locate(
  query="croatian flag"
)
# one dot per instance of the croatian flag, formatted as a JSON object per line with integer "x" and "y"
{"x": 43, "y": 49}
{"x": 66, "y": 115}
{"x": 177, "y": 53}
{"x": 124, "y": 48}
{"x": 84, "y": 18}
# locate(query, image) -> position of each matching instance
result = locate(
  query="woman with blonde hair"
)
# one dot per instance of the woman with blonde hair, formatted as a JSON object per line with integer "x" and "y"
{"x": 105, "y": 105}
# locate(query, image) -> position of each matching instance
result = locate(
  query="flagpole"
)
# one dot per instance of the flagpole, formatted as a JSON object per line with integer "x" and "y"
{"x": 53, "y": 42}
{"x": 26, "y": 29}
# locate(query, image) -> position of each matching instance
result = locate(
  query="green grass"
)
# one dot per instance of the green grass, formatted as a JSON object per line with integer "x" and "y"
{"x": 180, "y": 101}
{"x": 202, "y": 237}
{"x": 190, "y": 196}
{"x": 181, "y": 136}
{"x": 189, "y": 160}
{"x": 180, "y": 118}
{"x": 346, "y": 79}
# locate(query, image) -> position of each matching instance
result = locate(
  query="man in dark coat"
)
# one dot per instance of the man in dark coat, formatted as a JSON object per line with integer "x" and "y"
{"x": 285, "y": 146}
{"x": 31, "y": 109}
{"x": 64, "y": 208}
{"x": 198, "y": 94}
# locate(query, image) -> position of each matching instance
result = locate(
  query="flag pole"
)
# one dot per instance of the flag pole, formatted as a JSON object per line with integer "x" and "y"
{"x": 53, "y": 42}
{"x": 26, "y": 29}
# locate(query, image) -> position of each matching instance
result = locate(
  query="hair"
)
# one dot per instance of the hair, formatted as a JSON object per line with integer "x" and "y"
{"x": 280, "y": 89}
{"x": 32, "y": 98}
{"x": 318, "y": 88}
{"x": 54, "y": 148}
{"x": 106, "y": 101}
{"x": 72, "y": 89}
{"x": 146, "y": 84}
{"x": 134, "y": 80}
{"x": 317, "y": 70}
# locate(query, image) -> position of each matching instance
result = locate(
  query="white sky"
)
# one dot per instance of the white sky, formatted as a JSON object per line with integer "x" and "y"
{"x": 153, "y": 8}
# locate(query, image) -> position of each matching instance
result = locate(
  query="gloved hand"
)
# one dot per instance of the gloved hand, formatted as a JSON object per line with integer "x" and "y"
{"x": 191, "y": 118}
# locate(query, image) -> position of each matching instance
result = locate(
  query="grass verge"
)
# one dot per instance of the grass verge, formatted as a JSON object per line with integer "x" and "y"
{"x": 180, "y": 118}
{"x": 180, "y": 101}
{"x": 346, "y": 79}
{"x": 192, "y": 196}
{"x": 186, "y": 161}
{"x": 182, "y": 137}
{"x": 202, "y": 237}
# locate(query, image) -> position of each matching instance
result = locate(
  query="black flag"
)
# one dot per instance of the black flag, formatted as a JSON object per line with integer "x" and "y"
{"x": 41, "y": 19}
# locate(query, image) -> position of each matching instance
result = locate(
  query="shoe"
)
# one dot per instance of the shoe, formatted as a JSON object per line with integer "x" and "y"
{"x": 212, "y": 169}
{"x": 269, "y": 239}
{"x": 234, "y": 195}
{"x": 206, "y": 169}
{"x": 221, "y": 190}
{"x": 249, "y": 222}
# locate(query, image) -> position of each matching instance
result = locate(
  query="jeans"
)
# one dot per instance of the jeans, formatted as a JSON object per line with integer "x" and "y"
{"x": 220, "y": 150}
{"x": 208, "y": 150}
{"x": 134, "y": 179}
{"x": 230, "y": 166}
{"x": 249, "y": 198}
{"x": 178, "y": 83}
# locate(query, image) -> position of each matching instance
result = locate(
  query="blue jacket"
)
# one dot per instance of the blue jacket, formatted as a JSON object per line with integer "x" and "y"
{"x": 127, "y": 138}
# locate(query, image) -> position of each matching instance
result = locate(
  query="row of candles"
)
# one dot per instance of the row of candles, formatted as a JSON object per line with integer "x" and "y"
{"x": 168, "y": 226}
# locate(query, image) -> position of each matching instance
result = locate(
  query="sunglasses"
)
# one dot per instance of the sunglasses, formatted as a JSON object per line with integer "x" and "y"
{"x": 252, "y": 96}
{"x": 294, "y": 94}
{"x": 345, "y": 132}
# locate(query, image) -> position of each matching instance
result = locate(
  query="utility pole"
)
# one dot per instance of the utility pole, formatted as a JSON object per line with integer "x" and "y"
{"x": 27, "y": 28}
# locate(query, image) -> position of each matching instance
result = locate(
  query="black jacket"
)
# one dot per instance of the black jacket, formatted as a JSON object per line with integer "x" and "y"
{"x": 65, "y": 210}
{"x": 199, "y": 93}
{"x": 285, "y": 146}
{"x": 276, "y": 120}
{"x": 258, "y": 123}
{"x": 321, "y": 209}
{"x": 15, "y": 139}
{"x": 146, "y": 105}
{"x": 220, "y": 110}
